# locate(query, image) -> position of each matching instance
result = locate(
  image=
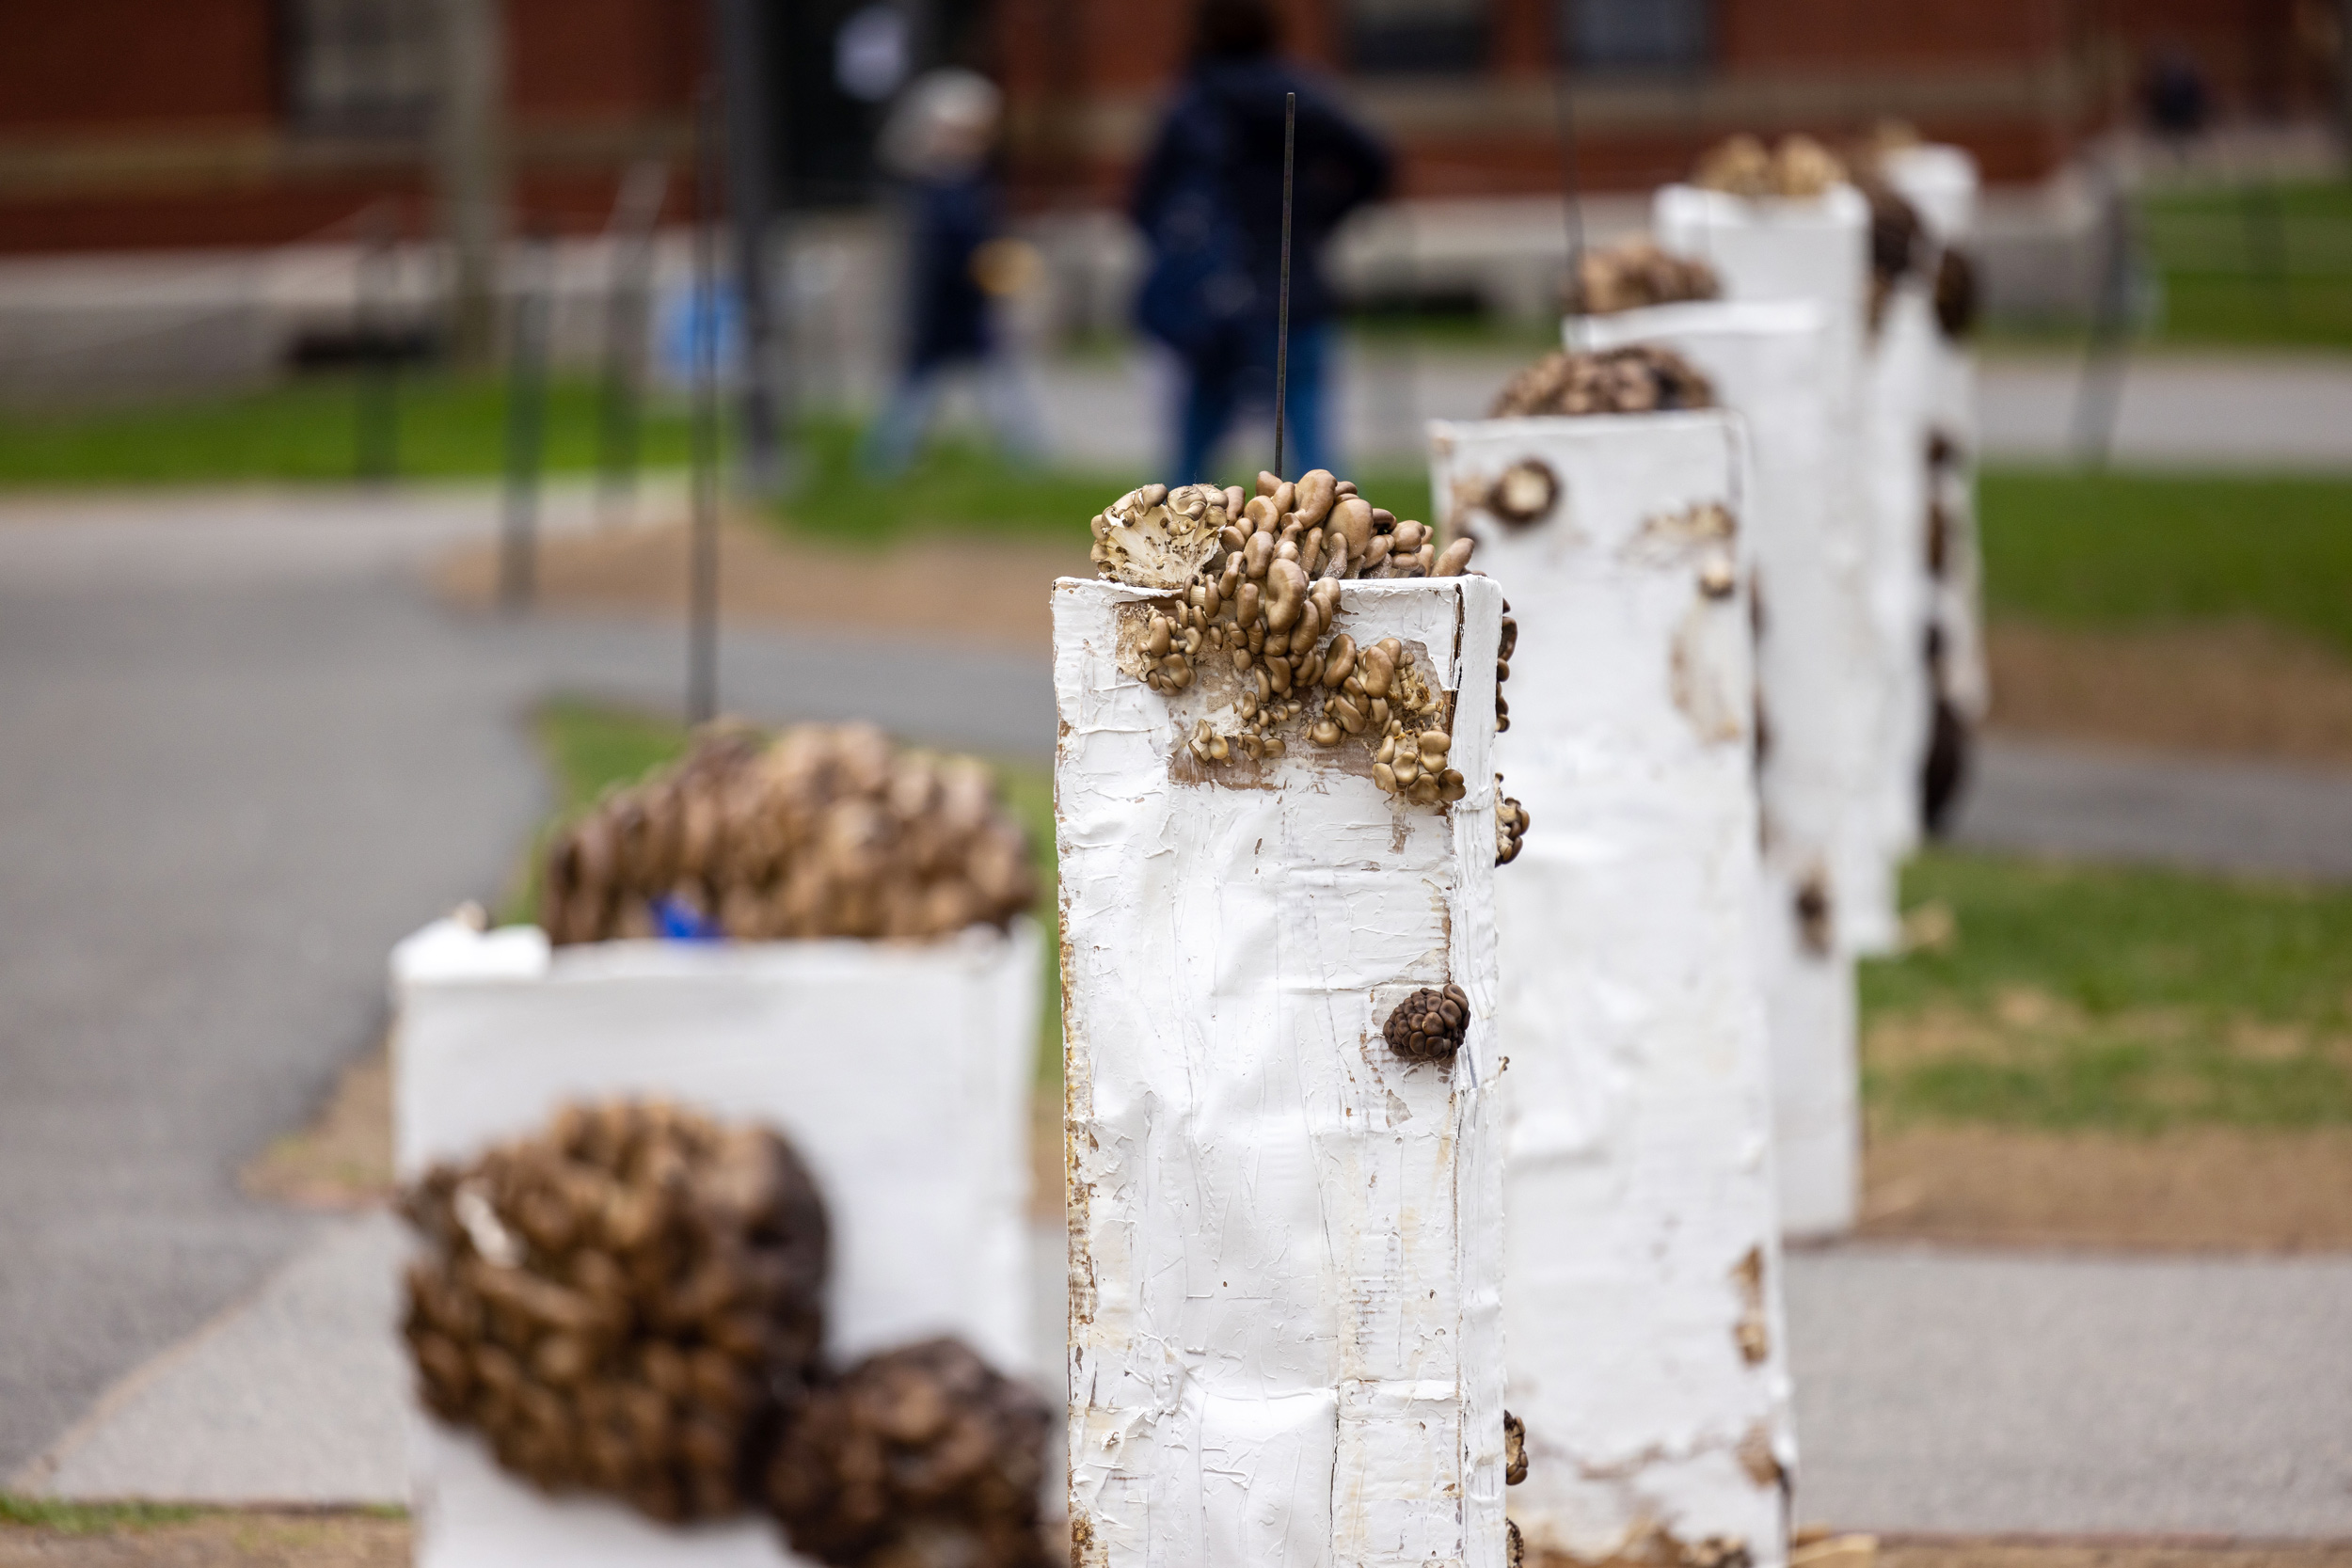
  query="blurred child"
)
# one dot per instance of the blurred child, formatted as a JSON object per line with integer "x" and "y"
{"x": 938, "y": 142}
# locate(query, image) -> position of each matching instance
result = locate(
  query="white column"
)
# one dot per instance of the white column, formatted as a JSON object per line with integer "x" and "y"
{"x": 1813, "y": 650}
{"x": 1941, "y": 182}
{"x": 1899, "y": 377}
{"x": 1642, "y": 1317}
{"x": 1816, "y": 249}
{"x": 1285, "y": 1240}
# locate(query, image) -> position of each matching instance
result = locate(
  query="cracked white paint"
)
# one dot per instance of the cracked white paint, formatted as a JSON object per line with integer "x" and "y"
{"x": 900, "y": 1073}
{"x": 1818, "y": 250}
{"x": 1941, "y": 182}
{"x": 1285, "y": 1243}
{"x": 1813, "y": 661}
{"x": 1639, "y": 1168}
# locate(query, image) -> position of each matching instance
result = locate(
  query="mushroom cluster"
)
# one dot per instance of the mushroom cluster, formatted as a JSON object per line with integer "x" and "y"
{"x": 825, "y": 831}
{"x": 1743, "y": 165}
{"x": 1511, "y": 825}
{"x": 1256, "y": 585}
{"x": 922, "y": 1457}
{"x": 631, "y": 1302}
{"x": 1639, "y": 378}
{"x": 628, "y": 1304}
{"x": 1634, "y": 273}
{"x": 1428, "y": 1026}
{"x": 1505, "y": 648}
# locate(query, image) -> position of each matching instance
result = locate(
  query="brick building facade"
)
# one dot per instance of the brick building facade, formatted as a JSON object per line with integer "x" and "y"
{"x": 196, "y": 122}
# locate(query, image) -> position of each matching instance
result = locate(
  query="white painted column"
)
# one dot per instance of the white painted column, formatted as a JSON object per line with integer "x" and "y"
{"x": 1818, "y": 249}
{"x": 1897, "y": 380}
{"x": 1942, "y": 182}
{"x": 1285, "y": 1242}
{"x": 1813, "y": 650}
{"x": 1642, "y": 1315}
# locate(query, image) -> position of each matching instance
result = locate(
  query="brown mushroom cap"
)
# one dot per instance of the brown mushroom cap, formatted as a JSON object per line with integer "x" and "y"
{"x": 1428, "y": 1026}
{"x": 922, "y": 1455}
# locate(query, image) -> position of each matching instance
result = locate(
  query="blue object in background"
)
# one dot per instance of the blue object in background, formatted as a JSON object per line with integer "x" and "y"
{"x": 679, "y": 318}
{"x": 679, "y": 921}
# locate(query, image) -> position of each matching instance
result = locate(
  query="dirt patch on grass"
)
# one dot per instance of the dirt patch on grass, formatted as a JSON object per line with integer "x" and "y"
{"x": 933, "y": 589}
{"x": 228, "y": 1539}
{"x": 2239, "y": 689}
{"x": 343, "y": 1159}
{"x": 2187, "y": 1189}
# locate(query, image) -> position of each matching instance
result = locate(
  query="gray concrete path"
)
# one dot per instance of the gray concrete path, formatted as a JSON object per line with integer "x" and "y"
{"x": 1989, "y": 1394}
{"x": 2176, "y": 410}
{"x": 294, "y": 1396}
{"x": 2195, "y": 813}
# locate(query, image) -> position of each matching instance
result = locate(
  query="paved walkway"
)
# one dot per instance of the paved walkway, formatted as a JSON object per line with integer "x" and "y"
{"x": 2176, "y": 410}
{"x": 244, "y": 754}
{"x": 2195, "y": 813}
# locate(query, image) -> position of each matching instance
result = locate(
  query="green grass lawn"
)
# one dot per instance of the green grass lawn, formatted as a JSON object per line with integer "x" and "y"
{"x": 2117, "y": 551}
{"x": 2070, "y": 996}
{"x": 63, "y": 1517}
{"x": 959, "y": 486}
{"x": 307, "y": 429}
{"x": 2264, "y": 265}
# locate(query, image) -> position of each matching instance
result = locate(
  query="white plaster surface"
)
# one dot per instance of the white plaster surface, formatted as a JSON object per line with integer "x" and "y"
{"x": 1812, "y": 653}
{"x": 900, "y": 1074}
{"x": 1285, "y": 1243}
{"x": 1899, "y": 379}
{"x": 1816, "y": 250}
{"x": 1642, "y": 1237}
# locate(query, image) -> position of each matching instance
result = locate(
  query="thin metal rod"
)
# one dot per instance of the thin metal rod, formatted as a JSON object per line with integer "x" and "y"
{"x": 376, "y": 341}
{"x": 1571, "y": 187}
{"x": 526, "y": 425}
{"x": 2099, "y": 395}
{"x": 1282, "y": 309}
{"x": 702, "y": 671}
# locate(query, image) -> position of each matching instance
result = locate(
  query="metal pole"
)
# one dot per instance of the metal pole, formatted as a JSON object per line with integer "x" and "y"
{"x": 701, "y": 668}
{"x": 526, "y": 426}
{"x": 635, "y": 212}
{"x": 1282, "y": 307}
{"x": 2100, "y": 397}
{"x": 744, "y": 68}
{"x": 377, "y": 413}
{"x": 1572, "y": 200}
{"x": 470, "y": 169}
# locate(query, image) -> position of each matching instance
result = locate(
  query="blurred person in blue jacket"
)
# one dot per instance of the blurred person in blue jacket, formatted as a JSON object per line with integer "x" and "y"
{"x": 1209, "y": 200}
{"x": 938, "y": 143}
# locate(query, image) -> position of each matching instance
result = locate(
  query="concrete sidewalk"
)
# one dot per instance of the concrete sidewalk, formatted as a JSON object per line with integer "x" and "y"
{"x": 2197, "y": 813}
{"x": 2176, "y": 410}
